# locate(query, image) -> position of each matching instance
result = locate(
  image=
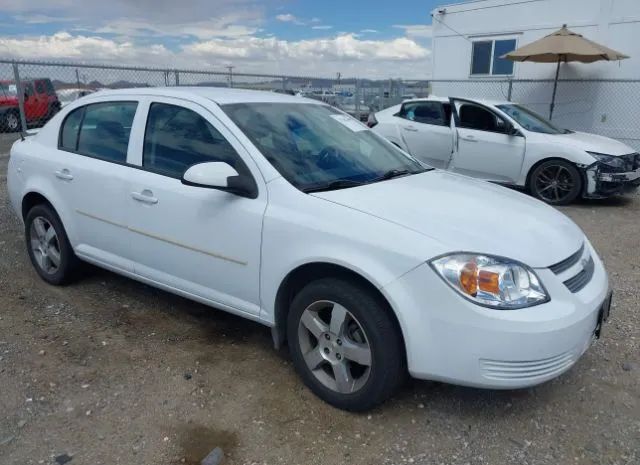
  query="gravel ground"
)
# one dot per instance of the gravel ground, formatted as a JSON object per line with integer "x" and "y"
{"x": 110, "y": 371}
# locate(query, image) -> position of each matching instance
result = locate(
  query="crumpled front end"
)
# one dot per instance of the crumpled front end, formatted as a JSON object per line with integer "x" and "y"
{"x": 605, "y": 180}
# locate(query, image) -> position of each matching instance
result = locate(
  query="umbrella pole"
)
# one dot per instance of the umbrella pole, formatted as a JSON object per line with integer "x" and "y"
{"x": 555, "y": 87}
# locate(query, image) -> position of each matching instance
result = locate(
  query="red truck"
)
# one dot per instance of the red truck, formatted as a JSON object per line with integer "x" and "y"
{"x": 40, "y": 103}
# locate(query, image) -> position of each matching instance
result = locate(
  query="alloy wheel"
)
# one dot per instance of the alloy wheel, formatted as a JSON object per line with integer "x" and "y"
{"x": 554, "y": 184}
{"x": 12, "y": 122}
{"x": 45, "y": 245}
{"x": 334, "y": 347}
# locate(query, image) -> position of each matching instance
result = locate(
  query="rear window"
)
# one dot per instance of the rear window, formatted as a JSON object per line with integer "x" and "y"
{"x": 99, "y": 130}
{"x": 49, "y": 87}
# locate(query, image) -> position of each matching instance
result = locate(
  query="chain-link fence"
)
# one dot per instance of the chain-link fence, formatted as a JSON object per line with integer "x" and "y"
{"x": 31, "y": 92}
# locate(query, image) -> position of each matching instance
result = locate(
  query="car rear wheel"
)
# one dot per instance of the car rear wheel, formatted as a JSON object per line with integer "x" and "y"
{"x": 345, "y": 344}
{"x": 48, "y": 246}
{"x": 556, "y": 182}
{"x": 11, "y": 122}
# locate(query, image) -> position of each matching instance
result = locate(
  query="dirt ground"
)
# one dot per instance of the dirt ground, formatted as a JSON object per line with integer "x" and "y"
{"x": 110, "y": 371}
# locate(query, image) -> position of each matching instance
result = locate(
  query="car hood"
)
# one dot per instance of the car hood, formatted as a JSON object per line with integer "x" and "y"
{"x": 465, "y": 214}
{"x": 593, "y": 143}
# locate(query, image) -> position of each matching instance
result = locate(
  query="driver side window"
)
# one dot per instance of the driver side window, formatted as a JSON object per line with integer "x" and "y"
{"x": 481, "y": 119}
{"x": 177, "y": 138}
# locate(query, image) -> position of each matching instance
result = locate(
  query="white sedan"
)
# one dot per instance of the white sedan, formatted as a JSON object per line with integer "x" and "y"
{"x": 291, "y": 213}
{"x": 506, "y": 143}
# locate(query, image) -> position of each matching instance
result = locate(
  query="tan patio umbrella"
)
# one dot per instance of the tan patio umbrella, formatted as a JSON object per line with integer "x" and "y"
{"x": 563, "y": 46}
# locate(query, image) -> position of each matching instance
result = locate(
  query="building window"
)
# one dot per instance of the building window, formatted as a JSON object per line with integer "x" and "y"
{"x": 485, "y": 57}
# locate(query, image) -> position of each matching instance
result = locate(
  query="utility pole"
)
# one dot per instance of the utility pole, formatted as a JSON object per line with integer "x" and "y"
{"x": 230, "y": 68}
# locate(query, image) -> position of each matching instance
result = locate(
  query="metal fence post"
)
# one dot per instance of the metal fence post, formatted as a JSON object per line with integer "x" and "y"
{"x": 510, "y": 89}
{"x": 20, "y": 90}
{"x": 177, "y": 76}
{"x": 284, "y": 83}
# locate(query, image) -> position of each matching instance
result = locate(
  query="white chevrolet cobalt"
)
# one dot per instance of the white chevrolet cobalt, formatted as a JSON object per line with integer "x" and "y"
{"x": 289, "y": 212}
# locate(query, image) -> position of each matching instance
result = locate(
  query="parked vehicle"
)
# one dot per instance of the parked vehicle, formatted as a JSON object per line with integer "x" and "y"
{"x": 506, "y": 143}
{"x": 40, "y": 103}
{"x": 66, "y": 96}
{"x": 289, "y": 212}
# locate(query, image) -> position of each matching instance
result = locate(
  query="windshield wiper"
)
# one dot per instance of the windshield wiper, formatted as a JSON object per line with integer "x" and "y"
{"x": 333, "y": 185}
{"x": 396, "y": 173}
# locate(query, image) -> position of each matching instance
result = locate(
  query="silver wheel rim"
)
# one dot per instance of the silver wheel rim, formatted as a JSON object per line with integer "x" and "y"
{"x": 12, "y": 121}
{"x": 334, "y": 346}
{"x": 554, "y": 183}
{"x": 45, "y": 245}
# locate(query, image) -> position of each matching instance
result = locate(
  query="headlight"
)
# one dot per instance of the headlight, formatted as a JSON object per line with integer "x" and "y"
{"x": 611, "y": 160}
{"x": 491, "y": 281}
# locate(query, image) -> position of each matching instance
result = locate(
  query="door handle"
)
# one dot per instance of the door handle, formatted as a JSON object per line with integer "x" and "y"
{"x": 410, "y": 128}
{"x": 64, "y": 174}
{"x": 146, "y": 196}
{"x": 469, "y": 139}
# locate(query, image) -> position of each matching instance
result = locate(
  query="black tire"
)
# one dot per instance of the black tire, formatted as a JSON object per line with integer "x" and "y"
{"x": 68, "y": 263}
{"x": 10, "y": 122}
{"x": 556, "y": 182}
{"x": 387, "y": 369}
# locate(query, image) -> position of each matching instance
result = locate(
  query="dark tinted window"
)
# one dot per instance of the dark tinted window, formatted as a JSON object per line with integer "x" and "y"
{"x": 105, "y": 129}
{"x": 501, "y": 65}
{"x": 177, "y": 138}
{"x": 40, "y": 87}
{"x": 481, "y": 59}
{"x": 28, "y": 89}
{"x": 49, "y": 87}
{"x": 69, "y": 132}
{"x": 475, "y": 117}
{"x": 423, "y": 112}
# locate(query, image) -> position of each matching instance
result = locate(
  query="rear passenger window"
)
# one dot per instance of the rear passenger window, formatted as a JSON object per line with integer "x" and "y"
{"x": 40, "y": 87}
{"x": 105, "y": 130}
{"x": 70, "y": 128}
{"x": 423, "y": 112}
{"x": 176, "y": 138}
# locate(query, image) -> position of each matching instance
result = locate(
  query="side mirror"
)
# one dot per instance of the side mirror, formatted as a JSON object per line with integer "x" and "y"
{"x": 221, "y": 176}
{"x": 511, "y": 130}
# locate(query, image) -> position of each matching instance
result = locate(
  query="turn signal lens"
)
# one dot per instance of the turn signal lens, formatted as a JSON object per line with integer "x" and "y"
{"x": 491, "y": 281}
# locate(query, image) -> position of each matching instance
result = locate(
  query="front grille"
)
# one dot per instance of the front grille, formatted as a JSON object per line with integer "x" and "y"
{"x": 579, "y": 281}
{"x": 567, "y": 262}
{"x": 526, "y": 370}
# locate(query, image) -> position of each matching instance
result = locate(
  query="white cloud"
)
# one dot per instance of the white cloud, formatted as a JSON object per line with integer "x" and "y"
{"x": 224, "y": 26}
{"x": 369, "y": 31}
{"x": 322, "y": 27}
{"x": 400, "y": 57}
{"x": 415, "y": 30}
{"x": 42, "y": 19}
{"x": 286, "y": 18}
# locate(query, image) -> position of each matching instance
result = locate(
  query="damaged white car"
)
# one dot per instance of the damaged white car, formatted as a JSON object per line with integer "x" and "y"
{"x": 505, "y": 142}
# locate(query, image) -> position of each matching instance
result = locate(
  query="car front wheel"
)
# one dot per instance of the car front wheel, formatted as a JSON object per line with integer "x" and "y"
{"x": 345, "y": 344}
{"x": 556, "y": 182}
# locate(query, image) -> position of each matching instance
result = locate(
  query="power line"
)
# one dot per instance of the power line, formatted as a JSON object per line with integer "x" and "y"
{"x": 452, "y": 29}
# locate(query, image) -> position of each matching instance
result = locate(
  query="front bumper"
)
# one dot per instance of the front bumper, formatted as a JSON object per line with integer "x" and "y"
{"x": 453, "y": 340}
{"x": 602, "y": 182}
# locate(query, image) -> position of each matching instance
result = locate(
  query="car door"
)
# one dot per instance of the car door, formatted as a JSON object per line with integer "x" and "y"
{"x": 424, "y": 127}
{"x": 200, "y": 241}
{"x": 486, "y": 145}
{"x": 92, "y": 177}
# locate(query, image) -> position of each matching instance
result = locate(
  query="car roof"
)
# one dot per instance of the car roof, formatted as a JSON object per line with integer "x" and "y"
{"x": 436, "y": 98}
{"x": 219, "y": 95}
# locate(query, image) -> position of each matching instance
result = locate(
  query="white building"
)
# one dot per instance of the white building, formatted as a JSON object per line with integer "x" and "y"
{"x": 469, "y": 37}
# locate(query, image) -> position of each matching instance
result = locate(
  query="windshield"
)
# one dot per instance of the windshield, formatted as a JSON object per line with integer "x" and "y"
{"x": 316, "y": 147}
{"x": 530, "y": 120}
{"x": 8, "y": 90}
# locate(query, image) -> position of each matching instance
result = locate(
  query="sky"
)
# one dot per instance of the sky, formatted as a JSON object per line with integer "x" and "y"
{"x": 373, "y": 39}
